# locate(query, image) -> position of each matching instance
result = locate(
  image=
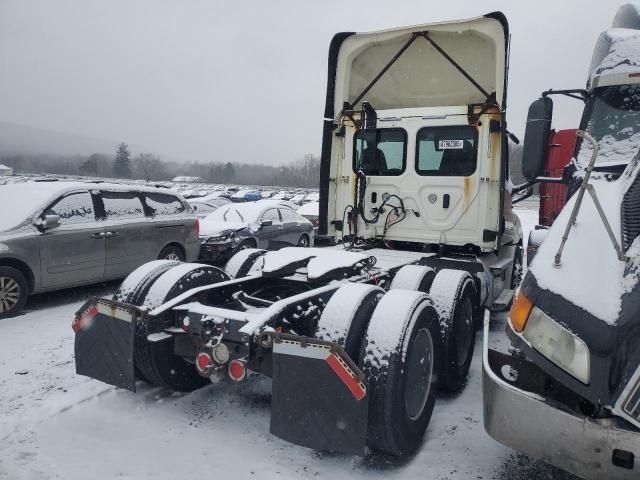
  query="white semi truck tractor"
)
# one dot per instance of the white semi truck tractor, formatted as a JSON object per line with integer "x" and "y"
{"x": 360, "y": 336}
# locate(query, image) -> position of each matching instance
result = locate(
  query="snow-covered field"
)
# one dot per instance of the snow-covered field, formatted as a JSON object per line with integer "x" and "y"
{"x": 56, "y": 424}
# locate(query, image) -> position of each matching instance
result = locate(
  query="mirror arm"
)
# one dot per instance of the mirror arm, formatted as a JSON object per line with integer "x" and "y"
{"x": 578, "y": 93}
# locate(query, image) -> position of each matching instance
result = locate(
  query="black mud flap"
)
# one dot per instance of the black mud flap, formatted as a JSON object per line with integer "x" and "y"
{"x": 104, "y": 342}
{"x": 319, "y": 397}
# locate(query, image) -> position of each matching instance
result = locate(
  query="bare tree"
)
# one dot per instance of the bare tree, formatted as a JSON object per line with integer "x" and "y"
{"x": 148, "y": 166}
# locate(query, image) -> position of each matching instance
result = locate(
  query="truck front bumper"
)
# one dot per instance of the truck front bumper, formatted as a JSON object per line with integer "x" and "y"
{"x": 525, "y": 421}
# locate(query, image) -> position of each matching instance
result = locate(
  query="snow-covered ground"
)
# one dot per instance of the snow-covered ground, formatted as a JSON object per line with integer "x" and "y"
{"x": 56, "y": 424}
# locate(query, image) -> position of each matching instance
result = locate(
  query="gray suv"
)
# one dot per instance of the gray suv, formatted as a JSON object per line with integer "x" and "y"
{"x": 55, "y": 235}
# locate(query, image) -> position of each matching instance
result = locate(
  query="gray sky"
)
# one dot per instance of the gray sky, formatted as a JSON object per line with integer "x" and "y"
{"x": 210, "y": 80}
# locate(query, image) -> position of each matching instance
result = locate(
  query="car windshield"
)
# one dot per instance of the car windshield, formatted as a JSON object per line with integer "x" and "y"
{"x": 235, "y": 214}
{"x": 32, "y": 195}
{"x": 612, "y": 117}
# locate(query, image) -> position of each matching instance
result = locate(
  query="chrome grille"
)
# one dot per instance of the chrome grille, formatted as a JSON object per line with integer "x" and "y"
{"x": 631, "y": 405}
{"x": 631, "y": 214}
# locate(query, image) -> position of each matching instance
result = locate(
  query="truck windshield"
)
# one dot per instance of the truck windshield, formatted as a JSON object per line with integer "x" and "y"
{"x": 612, "y": 117}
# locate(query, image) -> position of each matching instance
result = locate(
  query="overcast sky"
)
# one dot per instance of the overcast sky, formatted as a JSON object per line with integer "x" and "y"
{"x": 209, "y": 80}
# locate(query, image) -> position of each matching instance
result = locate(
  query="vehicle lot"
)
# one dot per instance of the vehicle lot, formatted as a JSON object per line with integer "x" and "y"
{"x": 60, "y": 425}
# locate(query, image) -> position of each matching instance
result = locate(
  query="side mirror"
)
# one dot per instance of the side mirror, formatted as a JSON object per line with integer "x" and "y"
{"x": 49, "y": 222}
{"x": 266, "y": 223}
{"x": 536, "y": 138}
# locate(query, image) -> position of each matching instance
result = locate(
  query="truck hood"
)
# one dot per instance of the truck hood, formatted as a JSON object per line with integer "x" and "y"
{"x": 593, "y": 293}
{"x": 477, "y": 45}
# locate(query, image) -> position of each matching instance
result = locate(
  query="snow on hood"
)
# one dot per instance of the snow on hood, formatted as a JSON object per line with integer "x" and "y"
{"x": 590, "y": 276}
{"x": 211, "y": 228}
{"x": 311, "y": 208}
{"x": 232, "y": 217}
{"x": 21, "y": 201}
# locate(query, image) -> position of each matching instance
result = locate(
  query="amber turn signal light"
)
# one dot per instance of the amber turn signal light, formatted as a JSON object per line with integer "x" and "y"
{"x": 520, "y": 310}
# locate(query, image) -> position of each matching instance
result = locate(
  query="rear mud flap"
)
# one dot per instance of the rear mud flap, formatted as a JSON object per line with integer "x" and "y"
{"x": 319, "y": 398}
{"x": 104, "y": 342}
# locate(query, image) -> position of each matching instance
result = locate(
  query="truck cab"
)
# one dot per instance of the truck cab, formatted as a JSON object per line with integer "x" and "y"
{"x": 565, "y": 385}
{"x": 414, "y": 147}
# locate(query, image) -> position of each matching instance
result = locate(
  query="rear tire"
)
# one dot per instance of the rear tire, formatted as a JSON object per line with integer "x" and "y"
{"x": 243, "y": 262}
{"x": 413, "y": 277}
{"x": 346, "y": 316}
{"x": 454, "y": 296}
{"x": 172, "y": 253}
{"x": 135, "y": 287}
{"x": 518, "y": 267}
{"x": 400, "y": 361}
{"x": 304, "y": 241}
{"x": 14, "y": 291}
{"x": 156, "y": 360}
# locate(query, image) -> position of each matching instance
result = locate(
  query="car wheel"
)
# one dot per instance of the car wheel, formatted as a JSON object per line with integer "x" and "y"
{"x": 173, "y": 253}
{"x": 245, "y": 244}
{"x": 14, "y": 290}
{"x": 304, "y": 241}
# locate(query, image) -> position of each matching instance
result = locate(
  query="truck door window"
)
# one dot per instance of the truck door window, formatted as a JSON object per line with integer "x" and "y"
{"x": 72, "y": 209}
{"x": 446, "y": 151}
{"x": 380, "y": 152}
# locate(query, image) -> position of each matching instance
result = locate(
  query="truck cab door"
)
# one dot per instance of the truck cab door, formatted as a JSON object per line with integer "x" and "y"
{"x": 72, "y": 253}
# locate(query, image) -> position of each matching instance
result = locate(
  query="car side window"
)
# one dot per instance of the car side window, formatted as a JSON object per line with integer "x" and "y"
{"x": 288, "y": 215}
{"x": 73, "y": 209}
{"x": 122, "y": 205}
{"x": 271, "y": 214}
{"x": 163, "y": 204}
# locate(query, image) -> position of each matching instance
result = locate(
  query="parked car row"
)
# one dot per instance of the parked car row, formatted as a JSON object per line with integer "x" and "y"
{"x": 265, "y": 224}
{"x": 60, "y": 234}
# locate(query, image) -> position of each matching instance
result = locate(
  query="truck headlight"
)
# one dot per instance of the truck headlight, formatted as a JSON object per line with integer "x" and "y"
{"x": 558, "y": 344}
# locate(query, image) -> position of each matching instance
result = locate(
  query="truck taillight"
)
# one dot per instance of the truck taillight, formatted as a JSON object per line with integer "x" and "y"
{"x": 197, "y": 227}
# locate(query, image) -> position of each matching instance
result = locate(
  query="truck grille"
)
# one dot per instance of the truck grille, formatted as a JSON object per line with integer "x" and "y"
{"x": 631, "y": 214}
{"x": 631, "y": 405}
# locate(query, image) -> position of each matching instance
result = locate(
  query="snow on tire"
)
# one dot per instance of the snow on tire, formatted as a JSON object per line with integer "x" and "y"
{"x": 140, "y": 280}
{"x": 243, "y": 262}
{"x": 454, "y": 296}
{"x": 181, "y": 278}
{"x": 413, "y": 277}
{"x": 345, "y": 318}
{"x": 400, "y": 360}
{"x": 156, "y": 360}
{"x": 135, "y": 287}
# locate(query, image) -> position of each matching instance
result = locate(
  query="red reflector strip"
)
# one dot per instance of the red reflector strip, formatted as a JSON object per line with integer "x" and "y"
{"x": 634, "y": 75}
{"x": 338, "y": 366}
{"x": 78, "y": 323}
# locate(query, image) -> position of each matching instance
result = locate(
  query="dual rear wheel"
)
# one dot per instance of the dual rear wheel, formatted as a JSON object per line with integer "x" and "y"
{"x": 409, "y": 344}
{"x": 150, "y": 286}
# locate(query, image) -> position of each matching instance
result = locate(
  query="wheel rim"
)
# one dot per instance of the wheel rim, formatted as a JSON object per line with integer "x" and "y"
{"x": 464, "y": 331}
{"x": 9, "y": 294}
{"x": 303, "y": 241}
{"x": 173, "y": 256}
{"x": 419, "y": 374}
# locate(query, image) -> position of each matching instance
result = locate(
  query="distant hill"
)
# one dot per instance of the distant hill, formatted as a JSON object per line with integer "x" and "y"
{"x": 16, "y": 138}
